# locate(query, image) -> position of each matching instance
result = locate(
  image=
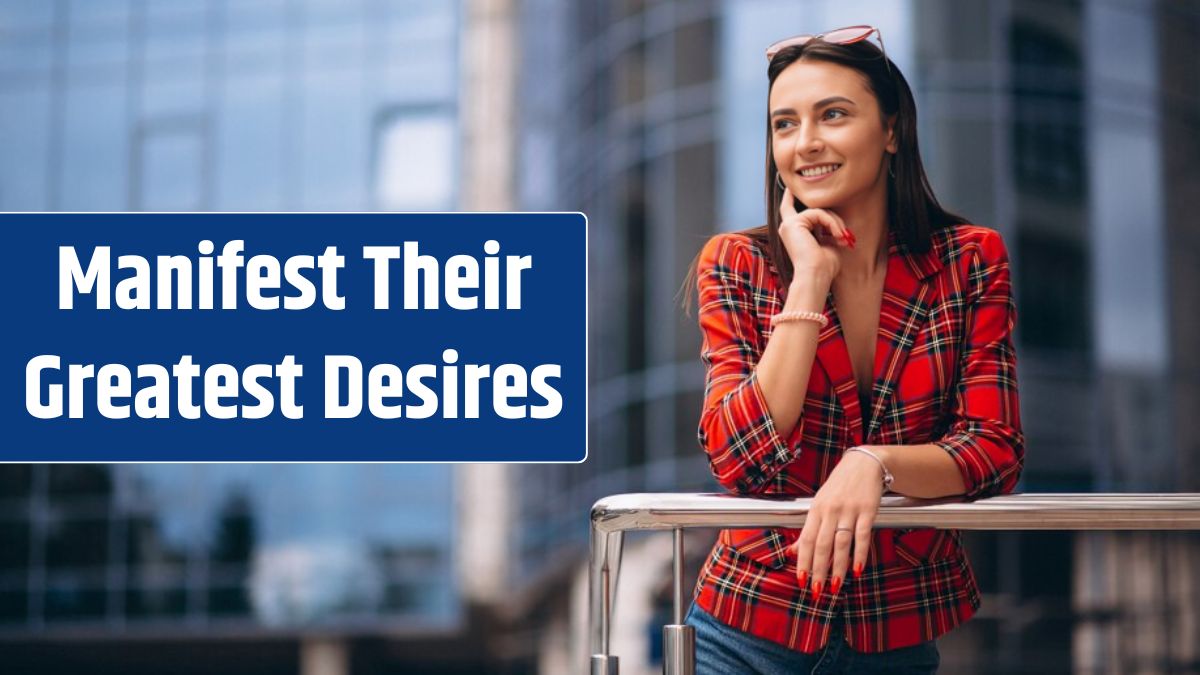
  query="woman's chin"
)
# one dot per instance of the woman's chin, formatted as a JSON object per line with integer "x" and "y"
{"x": 819, "y": 200}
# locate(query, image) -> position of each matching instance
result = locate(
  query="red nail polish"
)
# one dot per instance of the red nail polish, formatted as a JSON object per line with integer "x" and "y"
{"x": 803, "y": 579}
{"x": 835, "y": 585}
{"x": 817, "y": 589}
{"x": 858, "y": 568}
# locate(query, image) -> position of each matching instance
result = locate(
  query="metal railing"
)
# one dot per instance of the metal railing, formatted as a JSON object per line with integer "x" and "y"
{"x": 613, "y": 516}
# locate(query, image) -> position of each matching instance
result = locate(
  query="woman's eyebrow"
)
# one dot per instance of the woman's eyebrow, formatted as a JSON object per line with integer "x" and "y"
{"x": 819, "y": 104}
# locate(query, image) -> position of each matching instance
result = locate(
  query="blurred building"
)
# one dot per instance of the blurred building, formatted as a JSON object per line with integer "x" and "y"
{"x": 217, "y": 105}
{"x": 1073, "y": 127}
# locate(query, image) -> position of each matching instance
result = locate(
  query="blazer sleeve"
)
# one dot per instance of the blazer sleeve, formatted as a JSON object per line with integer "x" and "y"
{"x": 736, "y": 430}
{"x": 984, "y": 436}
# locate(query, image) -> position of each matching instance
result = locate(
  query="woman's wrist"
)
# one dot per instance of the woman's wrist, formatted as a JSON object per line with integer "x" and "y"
{"x": 806, "y": 294}
{"x": 881, "y": 457}
{"x": 811, "y": 276}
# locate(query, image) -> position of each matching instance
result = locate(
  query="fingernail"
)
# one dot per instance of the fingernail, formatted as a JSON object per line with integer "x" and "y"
{"x": 816, "y": 589}
{"x": 846, "y": 238}
{"x": 858, "y": 568}
{"x": 835, "y": 585}
{"x": 803, "y": 579}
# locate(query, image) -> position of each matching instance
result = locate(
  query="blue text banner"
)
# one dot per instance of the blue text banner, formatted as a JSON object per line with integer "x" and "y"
{"x": 270, "y": 337}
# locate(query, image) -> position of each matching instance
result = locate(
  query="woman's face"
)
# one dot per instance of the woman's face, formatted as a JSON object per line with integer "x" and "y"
{"x": 824, "y": 116}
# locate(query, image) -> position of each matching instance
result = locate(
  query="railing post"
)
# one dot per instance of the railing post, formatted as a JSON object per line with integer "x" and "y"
{"x": 679, "y": 640}
{"x": 604, "y": 566}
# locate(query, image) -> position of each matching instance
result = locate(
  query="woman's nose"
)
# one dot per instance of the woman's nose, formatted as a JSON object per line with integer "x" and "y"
{"x": 810, "y": 140}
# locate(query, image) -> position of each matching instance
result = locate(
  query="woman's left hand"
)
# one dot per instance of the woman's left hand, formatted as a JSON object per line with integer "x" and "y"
{"x": 842, "y": 513}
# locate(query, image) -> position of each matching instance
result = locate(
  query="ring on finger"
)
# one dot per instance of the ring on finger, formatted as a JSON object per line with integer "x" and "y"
{"x": 846, "y": 529}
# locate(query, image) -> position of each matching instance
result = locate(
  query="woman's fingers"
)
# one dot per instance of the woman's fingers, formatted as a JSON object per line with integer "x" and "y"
{"x": 834, "y": 225}
{"x": 828, "y": 222}
{"x": 818, "y": 221}
{"x": 786, "y": 205}
{"x": 862, "y": 542}
{"x": 842, "y": 538}
{"x": 804, "y": 549}
{"x": 827, "y": 553}
{"x": 822, "y": 554}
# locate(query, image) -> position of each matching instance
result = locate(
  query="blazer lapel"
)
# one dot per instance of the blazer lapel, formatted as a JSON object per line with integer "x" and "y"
{"x": 903, "y": 310}
{"x": 834, "y": 359}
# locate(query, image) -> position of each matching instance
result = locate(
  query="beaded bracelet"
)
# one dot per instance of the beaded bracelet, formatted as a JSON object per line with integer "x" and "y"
{"x": 800, "y": 316}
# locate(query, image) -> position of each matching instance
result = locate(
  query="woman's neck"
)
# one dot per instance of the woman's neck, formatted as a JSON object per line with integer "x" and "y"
{"x": 867, "y": 261}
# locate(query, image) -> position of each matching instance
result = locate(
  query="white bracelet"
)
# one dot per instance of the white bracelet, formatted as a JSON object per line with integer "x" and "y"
{"x": 887, "y": 475}
{"x": 781, "y": 317}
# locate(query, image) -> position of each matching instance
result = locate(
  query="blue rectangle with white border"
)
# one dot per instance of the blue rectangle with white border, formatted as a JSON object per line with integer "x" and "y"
{"x": 504, "y": 381}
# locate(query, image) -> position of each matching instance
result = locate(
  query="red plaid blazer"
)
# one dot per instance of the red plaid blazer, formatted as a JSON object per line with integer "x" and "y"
{"x": 945, "y": 373}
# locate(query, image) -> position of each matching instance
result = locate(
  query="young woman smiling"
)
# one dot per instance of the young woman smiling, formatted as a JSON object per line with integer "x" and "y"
{"x": 859, "y": 342}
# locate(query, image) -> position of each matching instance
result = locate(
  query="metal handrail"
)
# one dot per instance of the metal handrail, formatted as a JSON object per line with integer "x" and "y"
{"x": 613, "y": 516}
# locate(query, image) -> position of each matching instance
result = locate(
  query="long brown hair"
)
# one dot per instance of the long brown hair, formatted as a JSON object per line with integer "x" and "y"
{"x": 913, "y": 210}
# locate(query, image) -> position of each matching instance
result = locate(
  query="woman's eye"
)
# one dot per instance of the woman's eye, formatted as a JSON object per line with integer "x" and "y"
{"x": 841, "y": 113}
{"x": 779, "y": 123}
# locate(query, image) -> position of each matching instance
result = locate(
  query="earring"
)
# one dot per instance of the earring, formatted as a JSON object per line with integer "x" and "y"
{"x": 892, "y": 167}
{"x": 779, "y": 181}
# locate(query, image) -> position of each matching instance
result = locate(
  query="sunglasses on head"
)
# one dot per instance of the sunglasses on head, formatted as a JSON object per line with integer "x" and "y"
{"x": 838, "y": 36}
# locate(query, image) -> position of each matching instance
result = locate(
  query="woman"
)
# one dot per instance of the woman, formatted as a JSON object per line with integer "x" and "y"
{"x": 859, "y": 342}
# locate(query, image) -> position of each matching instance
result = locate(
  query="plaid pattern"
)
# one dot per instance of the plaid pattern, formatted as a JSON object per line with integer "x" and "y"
{"x": 945, "y": 373}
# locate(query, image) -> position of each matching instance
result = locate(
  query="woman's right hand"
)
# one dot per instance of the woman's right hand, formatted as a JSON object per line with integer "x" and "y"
{"x": 812, "y": 238}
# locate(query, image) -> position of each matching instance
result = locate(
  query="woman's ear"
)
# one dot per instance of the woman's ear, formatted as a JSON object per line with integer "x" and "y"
{"x": 891, "y": 134}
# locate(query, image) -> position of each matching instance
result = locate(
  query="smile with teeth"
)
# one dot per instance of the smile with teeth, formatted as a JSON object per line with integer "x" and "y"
{"x": 820, "y": 170}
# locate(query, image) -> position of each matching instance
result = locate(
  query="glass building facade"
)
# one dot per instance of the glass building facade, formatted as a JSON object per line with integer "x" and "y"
{"x": 156, "y": 546}
{"x": 216, "y": 105}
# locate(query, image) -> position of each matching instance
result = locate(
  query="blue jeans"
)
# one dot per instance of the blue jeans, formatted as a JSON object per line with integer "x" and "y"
{"x": 722, "y": 650}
